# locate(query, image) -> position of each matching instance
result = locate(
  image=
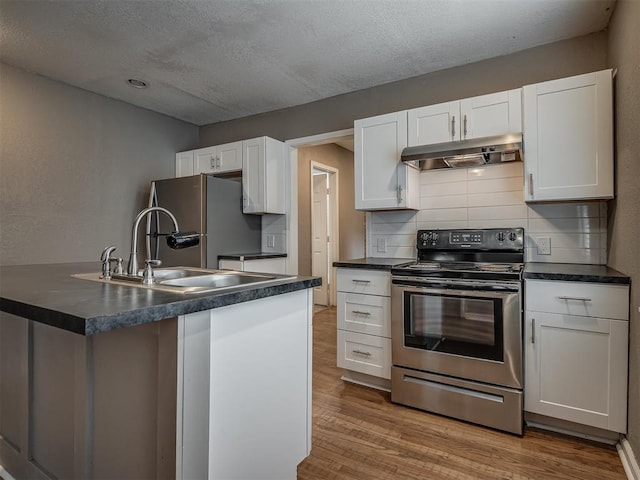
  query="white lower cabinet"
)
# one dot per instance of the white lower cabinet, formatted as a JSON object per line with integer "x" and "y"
{"x": 364, "y": 326}
{"x": 576, "y": 364}
{"x": 244, "y": 389}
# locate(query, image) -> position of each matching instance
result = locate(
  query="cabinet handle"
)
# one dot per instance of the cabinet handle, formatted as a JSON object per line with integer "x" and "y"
{"x": 453, "y": 127}
{"x": 399, "y": 193}
{"x": 465, "y": 126}
{"x": 213, "y": 162}
{"x": 580, "y": 299}
{"x": 357, "y": 280}
{"x": 359, "y": 312}
{"x": 360, "y": 352}
{"x": 533, "y": 330}
{"x": 531, "y": 184}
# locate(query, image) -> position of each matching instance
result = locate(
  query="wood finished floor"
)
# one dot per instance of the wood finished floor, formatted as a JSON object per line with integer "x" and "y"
{"x": 359, "y": 434}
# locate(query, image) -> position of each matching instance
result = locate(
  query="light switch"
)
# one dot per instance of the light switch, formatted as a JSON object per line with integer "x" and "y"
{"x": 271, "y": 241}
{"x": 382, "y": 245}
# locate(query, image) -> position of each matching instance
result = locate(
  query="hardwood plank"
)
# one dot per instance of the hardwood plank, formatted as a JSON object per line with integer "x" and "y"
{"x": 358, "y": 434}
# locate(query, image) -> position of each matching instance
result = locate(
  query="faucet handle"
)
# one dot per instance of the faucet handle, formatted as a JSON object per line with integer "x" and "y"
{"x": 118, "y": 270}
{"x": 147, "y": 273}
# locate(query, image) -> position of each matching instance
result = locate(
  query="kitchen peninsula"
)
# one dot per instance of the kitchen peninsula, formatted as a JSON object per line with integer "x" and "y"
{"x": 100, "y": 380}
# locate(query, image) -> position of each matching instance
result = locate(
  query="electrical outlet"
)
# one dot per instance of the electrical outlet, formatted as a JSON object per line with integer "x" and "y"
{"x": 382, "y": 245}
{"x": 544, "y": 245}
{"x": 271, "y": 241}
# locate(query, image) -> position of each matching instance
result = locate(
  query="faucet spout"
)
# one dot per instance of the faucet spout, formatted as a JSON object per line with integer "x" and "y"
{"x": 132, "y": 267}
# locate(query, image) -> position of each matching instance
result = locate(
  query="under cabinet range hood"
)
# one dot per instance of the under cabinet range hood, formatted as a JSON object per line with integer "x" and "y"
{"x": 465, "y": 153}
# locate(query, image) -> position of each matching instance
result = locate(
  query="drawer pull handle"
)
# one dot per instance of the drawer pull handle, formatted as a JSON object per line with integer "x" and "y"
{"x": 359, "y": 312}
{"x": 580, "y": 299}
{"x": 360, "y": 352}
{"x": 356, "y": 280}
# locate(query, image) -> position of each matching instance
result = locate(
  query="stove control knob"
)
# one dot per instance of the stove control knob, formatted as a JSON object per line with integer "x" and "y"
{"x": 513, "y": 237}
{"x": 430, "y": 238}
{"x": 500, "y": 236}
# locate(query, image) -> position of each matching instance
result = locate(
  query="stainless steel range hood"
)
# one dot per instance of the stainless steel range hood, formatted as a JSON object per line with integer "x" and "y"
{"x": 465, "y": 153}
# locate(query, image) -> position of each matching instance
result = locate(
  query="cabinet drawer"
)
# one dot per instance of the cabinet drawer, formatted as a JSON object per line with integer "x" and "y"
{"x": 364, "y": 353}
{"x": 578, "y": 298}
{"x": 364, "y": 314}
{"x": 371, "y": 282}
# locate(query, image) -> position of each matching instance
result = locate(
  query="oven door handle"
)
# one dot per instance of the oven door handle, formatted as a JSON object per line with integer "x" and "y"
{"x": 421, "y": 285}
{"x": 456, "y": 292}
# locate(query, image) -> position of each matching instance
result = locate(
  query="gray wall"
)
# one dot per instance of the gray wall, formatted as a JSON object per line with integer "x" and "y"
{"x": 556, "y": 60}
{"x": 75, "y": 168}
{"x": 624, "y": 211}
{"x": 351, "y": 222}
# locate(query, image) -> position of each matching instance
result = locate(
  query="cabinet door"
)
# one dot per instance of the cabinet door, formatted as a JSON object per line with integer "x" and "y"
{"x": 253, "y": 175}
{"x": 381, "y": 180}
{"x": 184, "y": 164}
{"x": 229, "y": 157}
{"x": 434, "y": 124}
{"x": 576, "y": 369}
{"x": 568, "y": 143}
{"x": 489, "y": 115}
{"x": 205, "y": 160}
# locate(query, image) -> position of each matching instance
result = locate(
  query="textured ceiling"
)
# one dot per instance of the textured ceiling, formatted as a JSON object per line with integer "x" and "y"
{"x": 209, "y": 61}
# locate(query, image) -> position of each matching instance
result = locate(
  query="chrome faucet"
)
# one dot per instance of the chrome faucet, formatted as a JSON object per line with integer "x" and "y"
{"x": 132, "y": 267}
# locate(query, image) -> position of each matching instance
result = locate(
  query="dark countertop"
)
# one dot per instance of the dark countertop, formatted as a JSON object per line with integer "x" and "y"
{"x": 572, "y": 272}
{"x": 48, "y": 294}
{"x": 251, "y": 256}
{"x": 374, "y": 263}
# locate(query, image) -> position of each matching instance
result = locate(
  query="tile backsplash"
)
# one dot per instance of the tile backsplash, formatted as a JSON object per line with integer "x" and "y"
{"x": 492, "y": 197}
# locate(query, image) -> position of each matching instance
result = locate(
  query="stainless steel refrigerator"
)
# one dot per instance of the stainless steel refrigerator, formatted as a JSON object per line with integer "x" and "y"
{"x": 205, "y": 204}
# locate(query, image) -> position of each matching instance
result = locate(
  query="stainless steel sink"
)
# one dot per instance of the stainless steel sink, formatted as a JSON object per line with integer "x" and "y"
{"x": 190, "y": 280}
{"x": 218, "y": 280}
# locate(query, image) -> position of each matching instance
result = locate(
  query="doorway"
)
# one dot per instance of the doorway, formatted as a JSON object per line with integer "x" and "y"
{"x": 324, "y": 229}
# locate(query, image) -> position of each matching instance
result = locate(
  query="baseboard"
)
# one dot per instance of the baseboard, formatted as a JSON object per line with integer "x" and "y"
{"x": 569, "y": 428}
{"x": 628, "y": 459}
{"x": 367, "y": 380}
{"x": 4, "y": 475}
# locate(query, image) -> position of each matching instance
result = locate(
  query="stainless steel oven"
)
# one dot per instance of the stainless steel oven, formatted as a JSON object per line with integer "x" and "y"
{"x": 456, "y": 329}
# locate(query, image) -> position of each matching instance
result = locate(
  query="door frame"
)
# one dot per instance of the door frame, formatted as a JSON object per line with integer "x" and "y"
{"x": 291, "y": 231}
{"x": 333, "y": 212}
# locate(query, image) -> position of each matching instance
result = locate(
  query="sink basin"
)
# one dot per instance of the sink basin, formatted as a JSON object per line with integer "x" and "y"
{"x": 190, "y": 280}
{"x": 217, "y": 280}
{"x": 160, "y": 274}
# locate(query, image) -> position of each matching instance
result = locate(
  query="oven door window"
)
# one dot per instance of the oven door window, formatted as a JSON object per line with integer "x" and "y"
{"x": 460, "y": 325}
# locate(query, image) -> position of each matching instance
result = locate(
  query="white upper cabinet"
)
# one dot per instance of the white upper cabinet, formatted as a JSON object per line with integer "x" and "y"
{"x": 219, "y": 159}
{"x": 483, "y": 116}
{"x": 216, "y": 159}
{"x": 184, "y": 164}
{"x": 263, "y": 176}
{"x": 568, "y": 138}
{"x": 382, "y": 181}
{"x": 434, "y": 124}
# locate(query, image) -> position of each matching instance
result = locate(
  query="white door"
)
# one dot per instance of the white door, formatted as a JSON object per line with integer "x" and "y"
{"x": 320, "y": 235}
